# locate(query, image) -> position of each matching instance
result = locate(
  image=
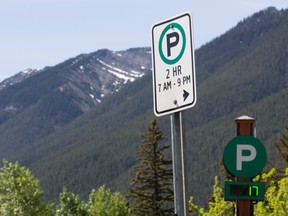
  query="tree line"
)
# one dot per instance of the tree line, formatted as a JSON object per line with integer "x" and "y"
{"x": 150, "y": 192}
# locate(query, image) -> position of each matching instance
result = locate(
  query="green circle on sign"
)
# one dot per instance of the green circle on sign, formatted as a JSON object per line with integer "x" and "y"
{"x": 175, "y": 60}
{"x": 244, "y": 156}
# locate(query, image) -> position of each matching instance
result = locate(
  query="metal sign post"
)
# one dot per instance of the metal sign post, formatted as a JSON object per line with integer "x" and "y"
{"x": 179, "y": 166}
{"x": 174, "y": 90}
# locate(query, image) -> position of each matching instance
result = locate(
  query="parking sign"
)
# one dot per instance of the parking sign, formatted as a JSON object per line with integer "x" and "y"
{"x": 174, "y": 84}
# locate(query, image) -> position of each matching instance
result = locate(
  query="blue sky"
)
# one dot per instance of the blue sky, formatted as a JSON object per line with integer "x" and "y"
{"x": 39, "y": 33}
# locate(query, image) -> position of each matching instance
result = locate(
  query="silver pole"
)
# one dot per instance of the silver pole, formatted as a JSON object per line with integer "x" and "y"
{"x": 179, "y": 166}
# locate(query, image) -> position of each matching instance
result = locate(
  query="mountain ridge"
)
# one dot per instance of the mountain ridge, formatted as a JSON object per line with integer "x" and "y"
{"x": 61, "y": 93}
{"x": 82, "y": 145}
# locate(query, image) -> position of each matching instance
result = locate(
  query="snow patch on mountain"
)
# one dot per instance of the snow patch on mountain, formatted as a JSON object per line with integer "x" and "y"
{"x": 121, "y": 74}
{"x": 88, "y": 78}
{"x": 19, "y": 77}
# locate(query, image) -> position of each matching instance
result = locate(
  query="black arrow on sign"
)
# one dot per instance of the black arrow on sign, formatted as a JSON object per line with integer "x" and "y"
{"x": 185, "y": 94}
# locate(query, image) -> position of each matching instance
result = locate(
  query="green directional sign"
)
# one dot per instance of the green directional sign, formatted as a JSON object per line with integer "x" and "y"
{"x": 245, "y": 156}
{"x": 244, "y": 191}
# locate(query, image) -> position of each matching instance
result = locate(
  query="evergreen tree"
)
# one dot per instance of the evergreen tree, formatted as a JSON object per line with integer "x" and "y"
{"x": 150, "y": 190}
{"x": 282, "y": 145}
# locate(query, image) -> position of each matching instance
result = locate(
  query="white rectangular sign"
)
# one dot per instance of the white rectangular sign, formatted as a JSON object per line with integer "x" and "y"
{"x": 174, "y": 84}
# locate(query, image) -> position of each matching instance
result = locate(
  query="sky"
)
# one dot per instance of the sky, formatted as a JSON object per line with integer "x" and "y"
{"x": 39, "y": 33}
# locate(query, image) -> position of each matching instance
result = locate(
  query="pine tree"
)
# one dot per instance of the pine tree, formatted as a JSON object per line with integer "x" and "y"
{"x": 282, "y": 146}
{"x": 151, "y": 190}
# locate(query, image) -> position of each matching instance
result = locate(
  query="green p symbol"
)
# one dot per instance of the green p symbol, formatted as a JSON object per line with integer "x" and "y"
{"x": 172, "y": 41}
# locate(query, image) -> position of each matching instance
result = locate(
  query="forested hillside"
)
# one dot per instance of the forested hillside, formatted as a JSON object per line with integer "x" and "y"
{"x": 39, "y": 105}
{"x": 242, "y": 72}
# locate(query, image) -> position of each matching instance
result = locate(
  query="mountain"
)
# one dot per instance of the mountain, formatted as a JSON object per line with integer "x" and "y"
{"x": 46, "y": 101}
{"x": 89, "y": 76}
{"x": 79, "y": 124}
{"x": 19, "y": 77}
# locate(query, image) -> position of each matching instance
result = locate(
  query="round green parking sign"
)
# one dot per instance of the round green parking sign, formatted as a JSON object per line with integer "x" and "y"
{"x": 245, "y": 156}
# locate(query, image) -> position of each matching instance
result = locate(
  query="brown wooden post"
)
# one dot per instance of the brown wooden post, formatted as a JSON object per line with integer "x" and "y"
{"x": 245, "y": 126}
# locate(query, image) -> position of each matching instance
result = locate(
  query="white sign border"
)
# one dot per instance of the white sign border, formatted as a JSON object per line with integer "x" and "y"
{"x": 186, "y": 106}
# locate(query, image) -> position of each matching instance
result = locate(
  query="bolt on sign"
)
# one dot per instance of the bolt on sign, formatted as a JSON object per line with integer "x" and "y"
{"x": 174, "y": 85}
